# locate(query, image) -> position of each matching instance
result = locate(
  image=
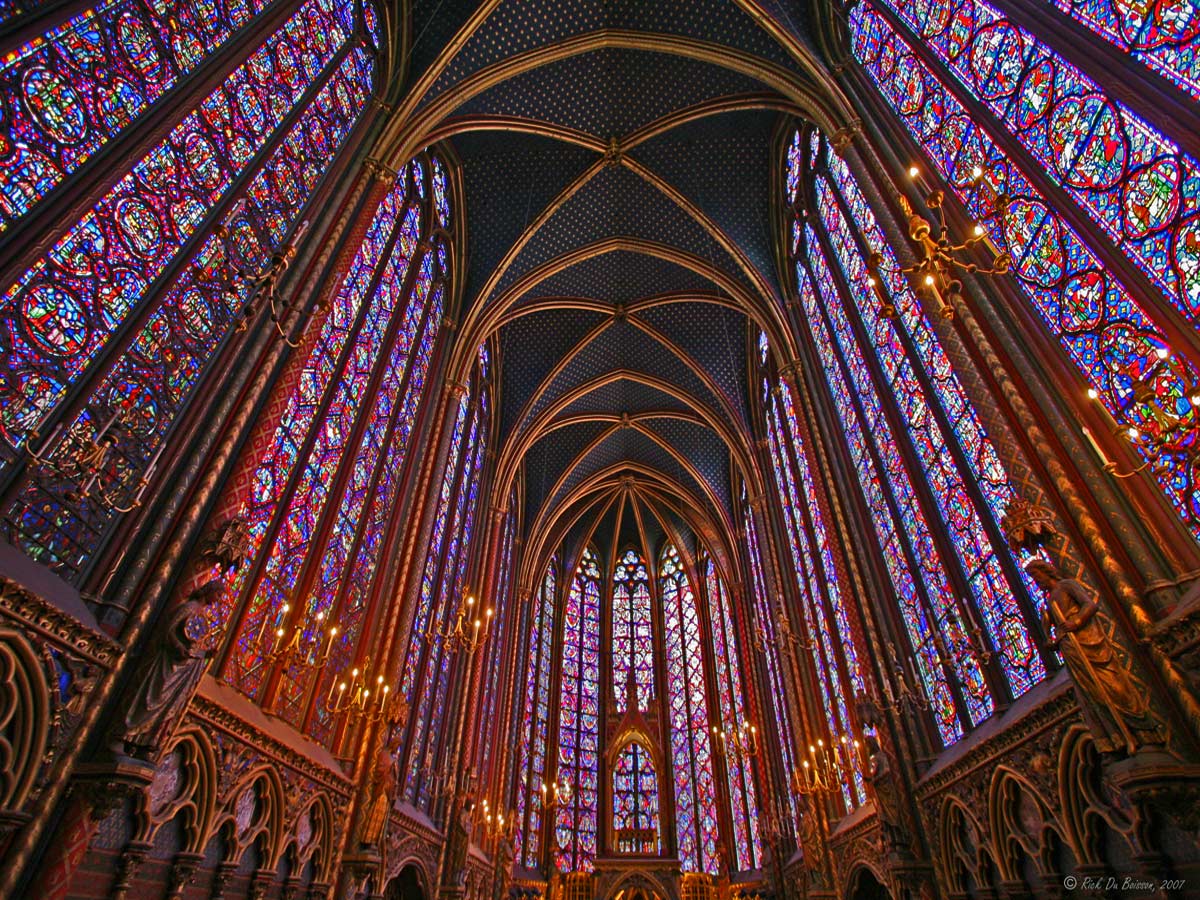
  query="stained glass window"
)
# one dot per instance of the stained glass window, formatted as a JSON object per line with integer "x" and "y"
{"x": 691, "y": 746}
{"x": 875, "y": 363}
{"x": 728, "y": 659}
{"x": 75, "y": 88}
{"x": 635, "y": 801}
{"x": 984, "y": 93}
{"x": 1164, "y": 36}
{"x": 426, "y": 676}
{"x": 324, "y": 497}
{"x": 531, "y": 759}
{"x": 131, "y": 303}
{"x": 834, "y": 657}
{"x": 633, "y": 639}
{"x": 579, "y": 720}
{"x": 765, "y": 625}
{"x": 498, "y": 648}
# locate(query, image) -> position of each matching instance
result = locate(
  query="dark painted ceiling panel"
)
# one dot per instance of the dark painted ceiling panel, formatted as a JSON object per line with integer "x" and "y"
{"x": 507, "y": 180}
{"x": 603, "y": 92}
{"x": 518, "y": 27}
{"x": 531, "y": 347}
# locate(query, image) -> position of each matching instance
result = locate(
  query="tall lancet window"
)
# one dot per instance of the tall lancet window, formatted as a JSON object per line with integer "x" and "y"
{"x": 443, "y": 590}
{"x": 696, "y": 827}
{"x": 112, "y": 320}
{"x": 324, "y": 497}
{"x": 632, "y": 631}
{"x": 826, "y": 616}
{"x": 932, "y": 479}
{"x": 728, "y": 661}
{"x": 579, "y": 721}
{"x": 1100, "y": 213}
{"x": 1163, "y": 36}
{"x": 498, "y": 648}
{"x": 531, "y": 758}
{"x": 766, "y": 644}
{"x": 635, "y": 801}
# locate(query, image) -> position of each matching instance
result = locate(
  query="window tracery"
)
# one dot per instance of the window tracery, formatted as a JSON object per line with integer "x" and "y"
{"x": 132, "y": 302}
{"x": 579, "y": 720}
{"x": 925, "y": 463}
{"x": 425, "y": 681}
{"x": 1099, "y": 200}
{"x": 696, "y": 827}
{"x": 531, "y": 757}
{"x": 632, "y": 627}
{"x": 728, "y": 657}
{"x": 635, "y": 801}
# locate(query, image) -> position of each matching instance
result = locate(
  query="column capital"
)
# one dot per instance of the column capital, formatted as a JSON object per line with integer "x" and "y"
{"x": 841, "y": 139}
{"x": 379, "y": 170}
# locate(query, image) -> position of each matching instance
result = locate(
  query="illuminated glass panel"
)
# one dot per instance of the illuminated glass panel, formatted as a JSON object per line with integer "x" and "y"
{"x": 156, "y": 376}
{"x": 992, "y": 594}
{"x": 1164, "y": 35}
{"x": 67, "y": 306}
{"x": 442, "y": 590}
{"x": 535, "y": 729}
{"x": 330, "y": 455}
{"x": 886, "y": 491}
{"x": 425, "y": 620}
{"x": 81, "y": 84}
{"x": 696, "y": 827}
{"x": 824, "y": 613}
{"x": 382, "y": 502}
{"x": 1110, "y": 336}
{"x": 777, "y": 695}
{"x": 727, "y": 658}
{"x": 498, "y": 647}
{"x": 579, "y": 720}
{"x": 1131, "y": 179}
{"x": 635, "y": 801}
{"x": 302, "y": 448}
{"x": 633, "y": 640}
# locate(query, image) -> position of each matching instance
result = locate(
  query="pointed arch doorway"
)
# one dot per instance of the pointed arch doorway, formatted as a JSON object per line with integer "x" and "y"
{"x": 407, "y": 885}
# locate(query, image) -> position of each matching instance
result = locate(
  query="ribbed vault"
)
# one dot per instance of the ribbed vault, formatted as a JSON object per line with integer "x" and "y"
{"x": 615, "y": 163}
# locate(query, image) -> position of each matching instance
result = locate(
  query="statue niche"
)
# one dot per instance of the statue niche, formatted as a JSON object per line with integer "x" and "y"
{"x": 1113, "y": 699}
{"x": 179, "y": 652}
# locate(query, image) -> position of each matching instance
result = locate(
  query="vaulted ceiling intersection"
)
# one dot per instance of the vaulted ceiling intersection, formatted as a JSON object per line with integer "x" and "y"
{"x": 616, "y": 164}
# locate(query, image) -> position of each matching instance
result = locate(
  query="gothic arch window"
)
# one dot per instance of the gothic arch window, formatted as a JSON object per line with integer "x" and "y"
{"x": 1101, "y": 215}
{"x": 632, "y": 631}
{"x": 531, "y": 758}
{"x": 497, "y": 647}
{"x": 324, "y": 496}
{"x": 426, "y": 674}
{"x": 650, "y": 777}
{"x": 766, "y": 643}
{"x": 114, "y": 327}
{"x": 579, "y": 720}
{"x": 727, "y": 655}
{"x": 635, "y": 801}
{"x": 825, "y": 613}
{"x": 932, "y": 479}
{"x": 696, "y": 827}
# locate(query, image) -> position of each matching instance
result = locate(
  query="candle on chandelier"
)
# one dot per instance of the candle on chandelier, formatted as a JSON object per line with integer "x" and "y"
{"x": 1096, "y": 448}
